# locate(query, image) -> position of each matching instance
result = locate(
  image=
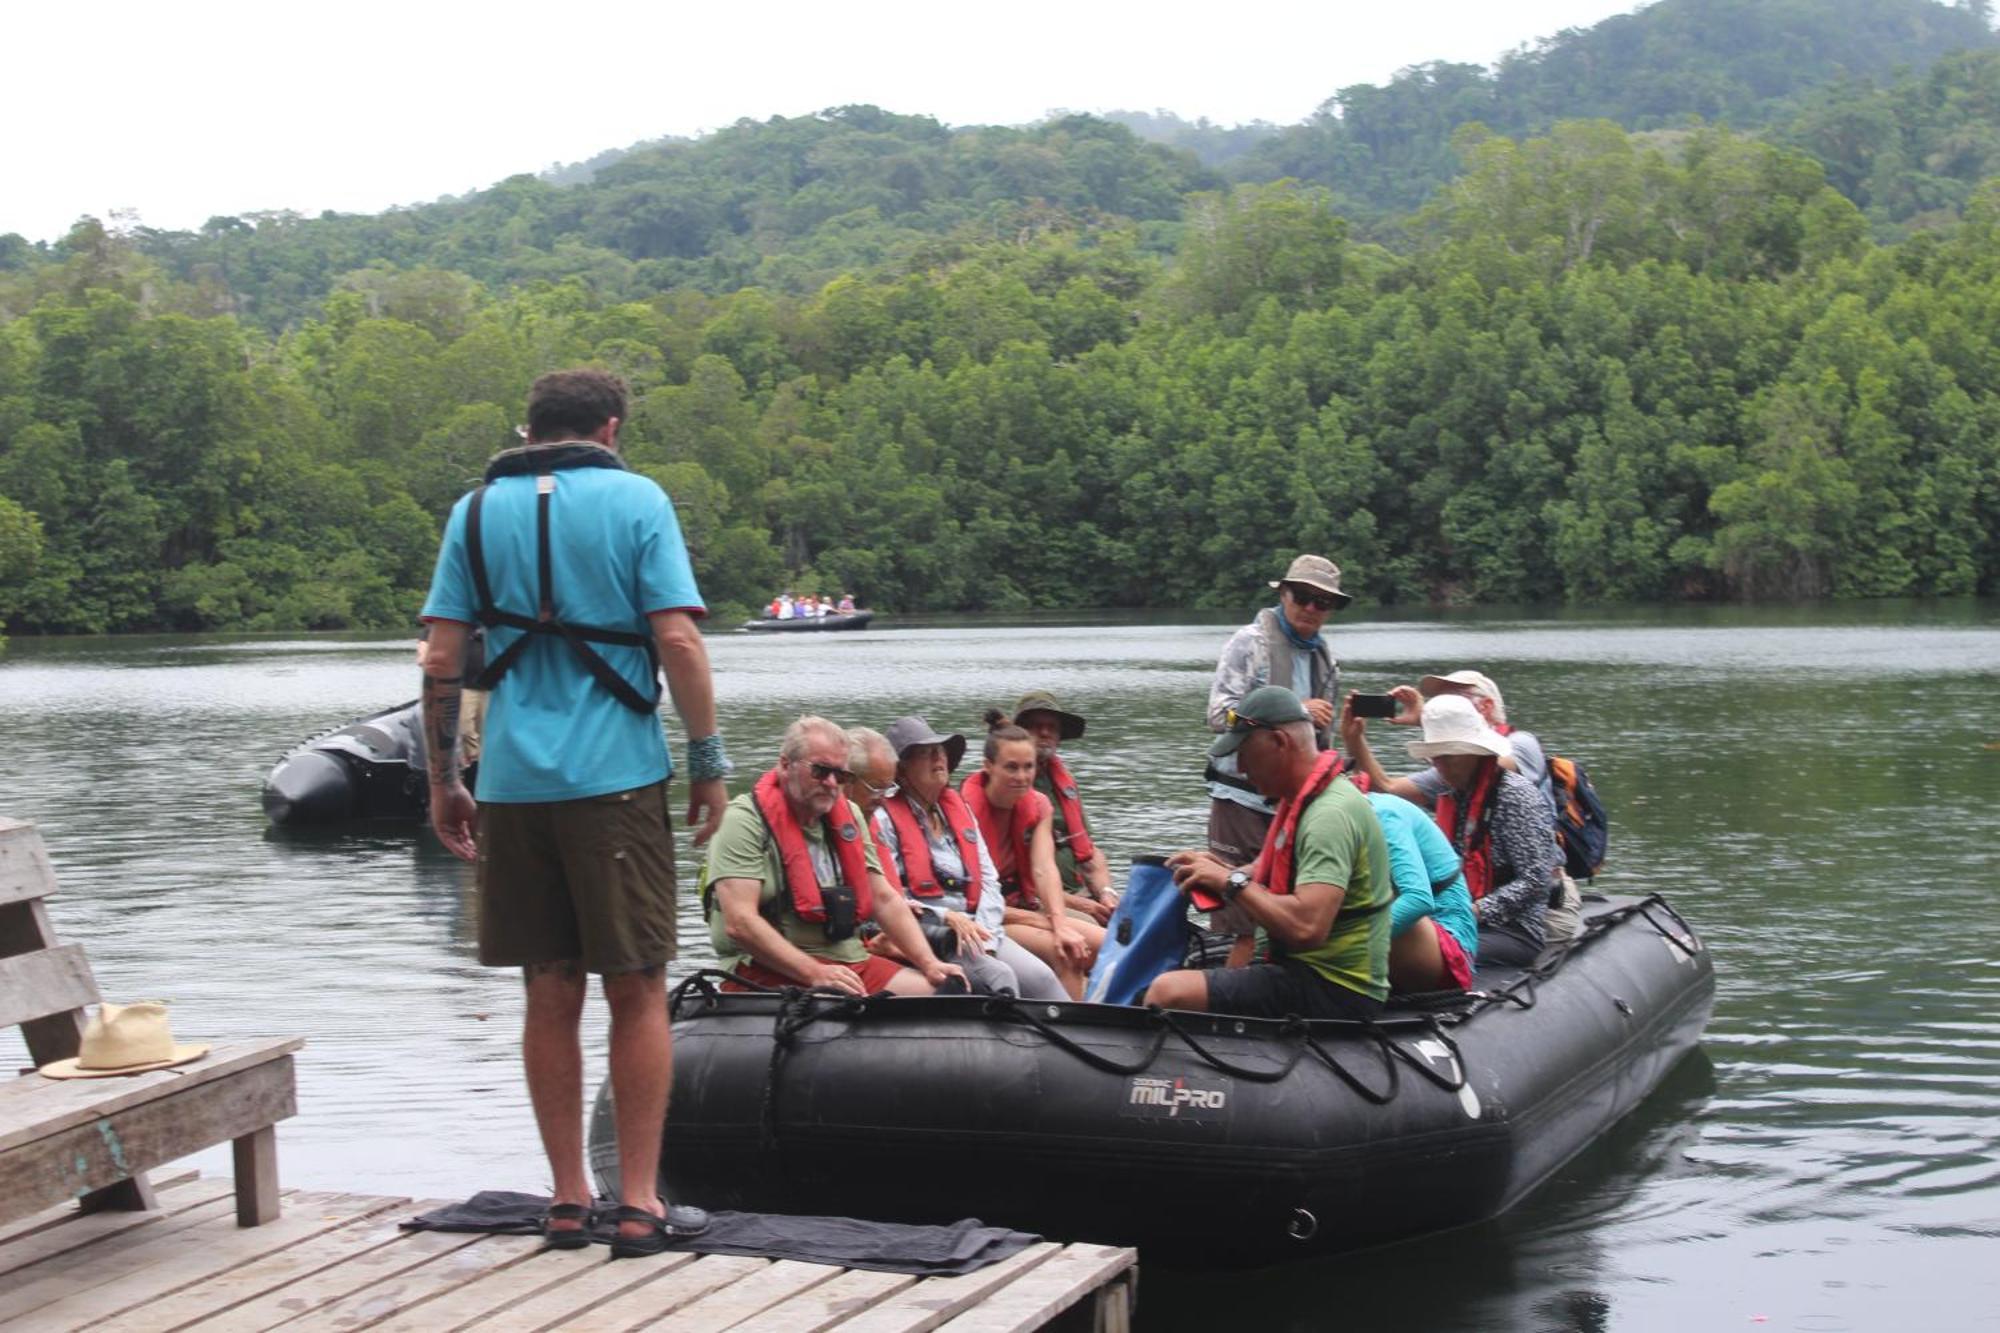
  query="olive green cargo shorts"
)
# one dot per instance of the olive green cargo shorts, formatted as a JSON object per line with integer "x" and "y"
{"x": 591, "y": 879}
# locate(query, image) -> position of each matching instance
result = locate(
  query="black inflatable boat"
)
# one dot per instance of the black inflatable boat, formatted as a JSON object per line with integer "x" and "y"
{"x": 810, "y": 624}
{"x": 1204, "y": 1139}
{"x": 372, "y": 768}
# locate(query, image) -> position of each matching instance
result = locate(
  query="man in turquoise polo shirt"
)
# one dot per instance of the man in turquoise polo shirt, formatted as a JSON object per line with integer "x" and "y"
{"x": 577, "y": 569}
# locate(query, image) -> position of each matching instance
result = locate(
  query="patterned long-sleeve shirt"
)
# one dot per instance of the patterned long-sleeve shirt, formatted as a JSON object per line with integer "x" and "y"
{"x": 1523, "y": 833}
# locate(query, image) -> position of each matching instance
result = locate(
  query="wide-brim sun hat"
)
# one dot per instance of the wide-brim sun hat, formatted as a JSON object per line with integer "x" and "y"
{"x": 906, "y": 733}
{"x": 125, "y": 1039}
{"x": 1041, "y": 701}
{"x": 1452, "y": 725}
{"x": 1315, "y": 571}
{"x": 1472, "y": 682}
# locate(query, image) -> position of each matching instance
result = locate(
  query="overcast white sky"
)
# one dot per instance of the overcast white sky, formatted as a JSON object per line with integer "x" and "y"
{"x": 182, "y": 111}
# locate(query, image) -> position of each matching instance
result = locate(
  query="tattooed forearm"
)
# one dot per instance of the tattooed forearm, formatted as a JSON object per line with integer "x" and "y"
{"x": 441, "y": 698}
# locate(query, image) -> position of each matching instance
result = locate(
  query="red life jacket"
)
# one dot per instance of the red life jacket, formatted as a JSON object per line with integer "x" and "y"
{"x": 920, "y": 876}
{"x": 1011, "y": 846}
{"x": 1072, "y": 809}
{"x": 1469, "y": 826}
{"x": 1274, "y": 866}
{"x": 843, "y": 835}
{"x": 883, "y": 859}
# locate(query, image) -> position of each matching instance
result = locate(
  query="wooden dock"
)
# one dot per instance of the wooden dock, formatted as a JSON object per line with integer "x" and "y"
{"x": 338, "y": 1261}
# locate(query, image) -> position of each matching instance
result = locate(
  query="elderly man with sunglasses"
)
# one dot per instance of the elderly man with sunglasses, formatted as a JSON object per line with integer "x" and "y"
{"x": 1282, "y": 645}
{"x": 792, "y": 875}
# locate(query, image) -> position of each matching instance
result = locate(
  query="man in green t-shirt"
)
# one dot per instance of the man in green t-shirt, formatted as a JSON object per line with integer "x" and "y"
{"x": 1320, "y": 889}
{"x": 751, "y": 889}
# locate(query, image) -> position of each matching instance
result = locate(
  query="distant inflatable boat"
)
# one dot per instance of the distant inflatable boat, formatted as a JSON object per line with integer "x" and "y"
{"x": 371, "y": 768}
{"x": 1202, "y": 1138}
{"x": 810, "y": 624}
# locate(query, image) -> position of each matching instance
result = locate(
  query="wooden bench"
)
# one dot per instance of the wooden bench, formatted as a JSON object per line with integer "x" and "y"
{"x": 94, "y": 1139}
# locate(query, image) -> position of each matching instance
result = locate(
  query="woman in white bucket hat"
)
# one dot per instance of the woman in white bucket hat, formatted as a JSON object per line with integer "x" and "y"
{"x": 1496, "y": 819}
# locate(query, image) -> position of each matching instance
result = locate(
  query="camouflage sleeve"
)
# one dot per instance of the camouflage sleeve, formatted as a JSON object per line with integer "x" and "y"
{"x": 1237, "y": 673}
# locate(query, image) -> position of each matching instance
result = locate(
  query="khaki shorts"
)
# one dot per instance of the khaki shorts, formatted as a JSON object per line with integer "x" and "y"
{"x": 590, "y": 879}
{"x": 1235, "y": 836}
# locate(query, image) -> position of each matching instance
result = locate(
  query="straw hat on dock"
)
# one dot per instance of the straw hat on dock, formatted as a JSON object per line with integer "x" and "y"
{"x": 125, "y": 1039}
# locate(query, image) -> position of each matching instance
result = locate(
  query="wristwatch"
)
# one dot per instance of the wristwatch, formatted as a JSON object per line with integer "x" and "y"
{"x": 1238, "y": 881}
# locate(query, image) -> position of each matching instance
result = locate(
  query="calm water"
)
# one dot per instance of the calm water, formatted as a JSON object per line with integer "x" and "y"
{"x": 1817, "y": 790}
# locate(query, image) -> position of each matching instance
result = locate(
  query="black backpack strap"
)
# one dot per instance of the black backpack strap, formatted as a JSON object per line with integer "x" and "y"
{"x": 475, "y": 553}
{"x": 577, "y": 637}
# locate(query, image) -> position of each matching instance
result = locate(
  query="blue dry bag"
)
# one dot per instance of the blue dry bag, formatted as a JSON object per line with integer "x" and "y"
{"x": 1146, "y": 935}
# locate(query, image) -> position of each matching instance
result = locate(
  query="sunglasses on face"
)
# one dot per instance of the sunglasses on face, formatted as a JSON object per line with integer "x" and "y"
{"x": 1318, "y": 601}
{"x": 882, "y": 793}
{"x": 821, "y": 772}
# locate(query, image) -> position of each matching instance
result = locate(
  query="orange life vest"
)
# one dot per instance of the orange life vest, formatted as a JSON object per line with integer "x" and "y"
{"x": 838, "y": 907}
{"x": 1275, "y": 862}
{"x": 919, "y": 875}
{"x": 1469, "y": 826}
{"x": 1080, "y": 844}
{"x": 1011, "y": 846}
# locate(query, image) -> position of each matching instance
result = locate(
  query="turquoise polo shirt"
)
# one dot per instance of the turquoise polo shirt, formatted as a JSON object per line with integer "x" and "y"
{"x": 552, "y": 733}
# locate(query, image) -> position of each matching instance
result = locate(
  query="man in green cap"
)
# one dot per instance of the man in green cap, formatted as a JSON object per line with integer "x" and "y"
{"x": 1320, "y": 888}
{"x": 1086, "y": 875}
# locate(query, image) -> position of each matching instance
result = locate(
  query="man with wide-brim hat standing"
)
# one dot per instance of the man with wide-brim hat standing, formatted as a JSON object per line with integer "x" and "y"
{"x": 1282, "y": 645}
{"x": 1086, "y": 874}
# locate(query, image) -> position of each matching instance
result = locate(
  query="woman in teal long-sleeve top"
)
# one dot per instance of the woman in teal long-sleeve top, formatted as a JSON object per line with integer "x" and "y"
{"x": 1434, "y": 934}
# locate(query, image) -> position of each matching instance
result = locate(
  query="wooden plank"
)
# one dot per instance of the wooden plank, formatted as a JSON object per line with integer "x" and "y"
{"x": 256, "y": 1157}
{"x": 33, "y": 1106}
{"x": 1114, "y": 1306}
{"x": 941, "y": 1299}
{"x": 393, "y": 1252}
{"x": 202, "y": 1254}
{"x": 649, "y": 1305}
{"x": 414, "y": 1286}
{"x": 74, "y": 1274}
{"x": 25, "y": 871}
{"x": 57, "y": 1214}
{"x": 84, "y": 1229}
{"x": 177, "y": 1121}
{"x": 48, "y": 981}
{"x": 133, "y": 1194}
{"x": 738, "y": 1301}
{"x": 25, "y": 928}
{"x": 471, "y": 1305}
{"x": 830, "y": 1303}
{"x": 281, "y": 1275}
{"x": 564, "y": 1306}
{"x": 1046, "y": 1291}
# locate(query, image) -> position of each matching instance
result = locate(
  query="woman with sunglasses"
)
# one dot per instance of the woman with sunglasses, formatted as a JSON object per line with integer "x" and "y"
{"x": 1284, "y": 646}
{"x": 1017, "y": 824}
{"x": 931, "y": 837}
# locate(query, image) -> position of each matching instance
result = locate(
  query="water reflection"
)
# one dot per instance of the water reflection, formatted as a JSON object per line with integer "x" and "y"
{"x": 1812, "y": 787}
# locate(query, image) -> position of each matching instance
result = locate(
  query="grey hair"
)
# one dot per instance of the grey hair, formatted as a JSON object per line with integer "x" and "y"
{"x": 1302, "y": 734}
{"x": 864, "y": 746}
{"x": 798, "y": 736}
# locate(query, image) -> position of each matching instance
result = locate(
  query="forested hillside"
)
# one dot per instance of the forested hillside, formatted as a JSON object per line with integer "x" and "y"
{"x": 1056, "y": 366}
{"x": 1849, "y": 80}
